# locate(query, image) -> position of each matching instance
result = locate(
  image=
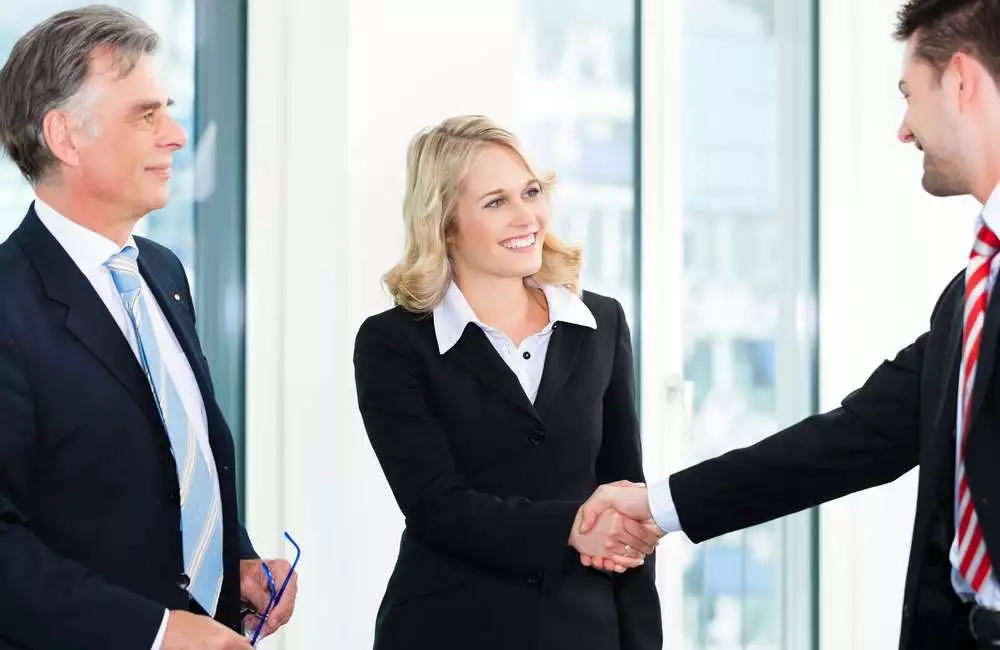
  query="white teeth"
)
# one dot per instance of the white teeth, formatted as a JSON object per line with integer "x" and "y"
{"x": 519, "y": 242}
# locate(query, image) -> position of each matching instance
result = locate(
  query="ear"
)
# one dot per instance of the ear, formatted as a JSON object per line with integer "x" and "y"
{"x": 967, "y": 75}
{"x": 57, "y": 130}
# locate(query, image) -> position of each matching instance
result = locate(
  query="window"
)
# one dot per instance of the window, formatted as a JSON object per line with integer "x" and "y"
{"x": 577, "y": 117}
{"x": 202, "y": 64}
{"x": 734, "y": 150}
{"x": 748, "y": 277}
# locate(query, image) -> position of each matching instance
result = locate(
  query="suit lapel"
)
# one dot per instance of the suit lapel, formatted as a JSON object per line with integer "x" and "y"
{"x": 87, "y": 317}
{"x": 560, "y": 360}
{"x": 987, "y": 353}
{"x": 947, "y": 410}
{"x": 474, "y": 352}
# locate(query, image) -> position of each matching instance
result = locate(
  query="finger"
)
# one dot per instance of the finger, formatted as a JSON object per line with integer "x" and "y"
{"x": 283, "y": 612}
{"x": 627, "y": 562}
{"x": 623, "y": 544}
{"x": 586, "y": 560}
{"x": 640, "y": 537}
{"x": 255, "y": 595}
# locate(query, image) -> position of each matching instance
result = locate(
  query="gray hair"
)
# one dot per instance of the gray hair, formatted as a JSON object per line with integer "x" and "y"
{"x": 47, "y": 70}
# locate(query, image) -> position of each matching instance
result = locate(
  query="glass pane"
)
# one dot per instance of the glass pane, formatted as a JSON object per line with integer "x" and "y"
{"x": 740, "y": 293}
{"x": 578, "y": 119}
{"x": 174, "y": 20}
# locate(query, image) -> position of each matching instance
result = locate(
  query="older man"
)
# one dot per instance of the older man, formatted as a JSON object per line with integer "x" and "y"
{"x": 118, "y": 522}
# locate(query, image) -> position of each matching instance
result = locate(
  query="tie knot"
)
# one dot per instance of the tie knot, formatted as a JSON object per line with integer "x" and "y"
{"x": 124, "y": 267}
{"x": 987, "y": 243}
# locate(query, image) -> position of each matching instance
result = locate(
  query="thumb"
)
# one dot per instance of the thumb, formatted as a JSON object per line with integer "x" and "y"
{"x": 590, "y": 511}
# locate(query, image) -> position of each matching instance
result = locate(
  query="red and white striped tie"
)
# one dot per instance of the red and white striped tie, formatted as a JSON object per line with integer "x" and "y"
{"x": 974, "y": 562}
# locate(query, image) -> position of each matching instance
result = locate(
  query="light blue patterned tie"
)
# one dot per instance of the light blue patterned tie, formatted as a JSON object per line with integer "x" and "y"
{"x": 201, "y": 511}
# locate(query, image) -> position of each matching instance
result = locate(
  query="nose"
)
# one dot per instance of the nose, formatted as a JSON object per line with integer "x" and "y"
{"x": 174, "y": 136}
{"x": 905, "y": 135}
{"x": 523, "y": 215}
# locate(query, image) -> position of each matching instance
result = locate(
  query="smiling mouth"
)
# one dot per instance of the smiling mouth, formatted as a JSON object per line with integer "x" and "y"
{"x": 522, "y": 243}
{"x": 166, "y": 171}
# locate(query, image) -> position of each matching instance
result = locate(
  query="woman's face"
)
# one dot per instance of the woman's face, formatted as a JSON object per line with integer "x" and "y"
{"x": 500, "y": 218}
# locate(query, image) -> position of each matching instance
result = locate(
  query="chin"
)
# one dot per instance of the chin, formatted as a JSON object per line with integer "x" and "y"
{"x": 937, "y": 187}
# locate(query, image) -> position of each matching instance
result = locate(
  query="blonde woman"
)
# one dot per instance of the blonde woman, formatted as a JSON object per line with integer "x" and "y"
{"x": 497, "y": 397}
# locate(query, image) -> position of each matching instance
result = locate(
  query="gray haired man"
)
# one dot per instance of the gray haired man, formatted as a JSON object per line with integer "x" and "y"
{"x": 118, "y": 519}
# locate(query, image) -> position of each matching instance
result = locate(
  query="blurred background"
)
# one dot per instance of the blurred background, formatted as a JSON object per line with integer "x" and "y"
{"x": 730, "y": 167}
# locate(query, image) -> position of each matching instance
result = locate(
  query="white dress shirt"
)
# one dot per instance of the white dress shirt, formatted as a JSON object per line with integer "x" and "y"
{"x": 89, "y": 251}
{"x": 526, "y": 360}
{"x": 661, "y": 503}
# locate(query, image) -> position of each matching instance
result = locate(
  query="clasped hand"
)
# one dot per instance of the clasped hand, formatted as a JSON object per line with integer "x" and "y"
{"x": 614, "y": 529}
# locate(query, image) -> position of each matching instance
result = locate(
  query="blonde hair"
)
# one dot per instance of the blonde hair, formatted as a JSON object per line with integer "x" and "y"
{"x": 437, "y": 161}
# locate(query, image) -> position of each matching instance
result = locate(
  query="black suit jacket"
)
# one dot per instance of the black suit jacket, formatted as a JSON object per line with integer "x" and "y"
{"x": 90, "y": 544}
{"x": 490, "y": 485}
{"x": 904, "y": 415}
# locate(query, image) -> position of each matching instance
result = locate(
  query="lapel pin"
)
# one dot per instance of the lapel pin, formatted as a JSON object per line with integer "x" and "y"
{"x": 177, "y": 297}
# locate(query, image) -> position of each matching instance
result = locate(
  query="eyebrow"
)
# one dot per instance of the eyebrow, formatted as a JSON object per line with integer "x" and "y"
{"x": 531, "y": 181}
{"x": 152, "y": 105}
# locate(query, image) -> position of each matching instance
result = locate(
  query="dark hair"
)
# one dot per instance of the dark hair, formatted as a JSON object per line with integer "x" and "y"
{"x": 950, "y": 26}
{"x": 47, "y": 69}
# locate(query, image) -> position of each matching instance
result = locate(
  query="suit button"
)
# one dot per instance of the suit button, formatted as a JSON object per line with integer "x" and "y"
{"x": 184, "y": 581}
{"x": 906, "y": 611}
{"x": 537, "y": 437}
{"x": 175, "y": 496}
{"x": 534, "y": 578}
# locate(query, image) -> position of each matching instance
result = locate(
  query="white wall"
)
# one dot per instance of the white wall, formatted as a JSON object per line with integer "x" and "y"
{"x": 886, "y": 251}
{"x": 336, "y": 89}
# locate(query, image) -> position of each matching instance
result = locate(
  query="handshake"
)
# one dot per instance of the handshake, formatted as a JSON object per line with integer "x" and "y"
{"x": 614, "y": 530}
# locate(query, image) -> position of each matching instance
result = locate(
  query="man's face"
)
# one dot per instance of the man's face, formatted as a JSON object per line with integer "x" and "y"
{"x": 934, "y": 124}
{"x": 126, "y": 147}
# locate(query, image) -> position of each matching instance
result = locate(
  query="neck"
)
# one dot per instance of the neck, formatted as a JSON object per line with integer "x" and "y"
{"x": 990, "y": 177}
{"x": 109, "y": 221}
{"x": 496, "y": 301}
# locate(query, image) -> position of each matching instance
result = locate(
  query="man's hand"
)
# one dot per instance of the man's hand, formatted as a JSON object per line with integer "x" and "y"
{"x": 254, "y": 590}
{"x": 630, "y": 499}
{"x": 187, "y": 631}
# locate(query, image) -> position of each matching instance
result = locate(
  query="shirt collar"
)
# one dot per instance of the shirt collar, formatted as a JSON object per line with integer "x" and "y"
{"x": 454, "y": 313}
{"x": 991, "y": 212}
{"x": 85, "y": 247}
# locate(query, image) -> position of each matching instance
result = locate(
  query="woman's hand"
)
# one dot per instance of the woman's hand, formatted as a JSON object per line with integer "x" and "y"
{"x": 615, "y": 542}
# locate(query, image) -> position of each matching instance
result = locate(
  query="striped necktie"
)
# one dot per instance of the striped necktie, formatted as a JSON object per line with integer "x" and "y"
{"x": 974, "y": 562}
{"x": 201, "y": 509}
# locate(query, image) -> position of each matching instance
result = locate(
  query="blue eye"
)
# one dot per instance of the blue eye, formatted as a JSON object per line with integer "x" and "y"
{"x": 533, "y": 192}
{"x": 495, "y": 203}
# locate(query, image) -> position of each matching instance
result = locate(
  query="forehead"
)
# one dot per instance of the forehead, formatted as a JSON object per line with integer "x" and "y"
{"x": 496, "y": 166}
{"x": 104, "y": 73}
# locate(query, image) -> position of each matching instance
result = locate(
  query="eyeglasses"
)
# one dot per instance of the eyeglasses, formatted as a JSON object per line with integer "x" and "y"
{"x": 276, "y": 594}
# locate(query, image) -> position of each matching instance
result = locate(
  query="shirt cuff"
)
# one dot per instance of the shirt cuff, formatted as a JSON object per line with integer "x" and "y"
{"x": 158, "y": 641}
{"x": 661, "y": 506}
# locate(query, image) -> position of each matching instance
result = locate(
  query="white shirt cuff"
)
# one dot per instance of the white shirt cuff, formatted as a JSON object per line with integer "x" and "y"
{"x": 661, "y": 505}
{"x": 158, "y": 641}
